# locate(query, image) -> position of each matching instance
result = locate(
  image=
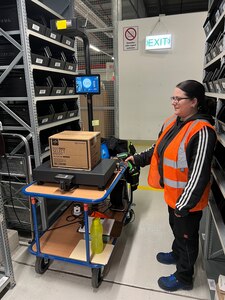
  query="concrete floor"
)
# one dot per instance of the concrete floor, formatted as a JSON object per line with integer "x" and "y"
{"x": 133, "y": 269}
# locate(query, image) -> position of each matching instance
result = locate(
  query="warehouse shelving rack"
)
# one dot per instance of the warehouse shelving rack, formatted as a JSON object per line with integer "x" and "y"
{"x": 24, "y": 37}
{"x": 213, "y": 234}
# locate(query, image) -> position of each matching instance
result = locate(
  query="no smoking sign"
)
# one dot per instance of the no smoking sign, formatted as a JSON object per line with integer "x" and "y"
{"x": 130, "y": 38}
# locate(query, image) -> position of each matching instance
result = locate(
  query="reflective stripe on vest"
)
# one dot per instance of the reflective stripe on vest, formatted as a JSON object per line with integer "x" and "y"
{"x": 181, "y": 163}
{"x": 175, "y": 184}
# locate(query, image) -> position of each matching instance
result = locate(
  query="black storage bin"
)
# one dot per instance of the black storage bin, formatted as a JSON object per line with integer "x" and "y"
{"x": 36, "y": 26}
{"x": 217, "y": 86}
{"x": 9, "y": 17}
{"x": 211, "y": 106}
{"x": 55, "y": 59}
{"x": 56, "y": 63}
{"x": 53, "y": 35}
{"x": 44, "y": 113}
{"x": 221, "y": 79}
{"x": 38, "y": 59}
{"x": 69, "y": 86}
{"x": 38, "y": 54}
{"x": 68, "y": 41}
{"x": 219, "y": 154}
{"x": 70, "y": 61}
{"x": 222, "y": 84}
{"x": 59, "y": 110}
{"x": 41, "y": 85}
{"x": 57, "y": 88}
{"x": 207, "y": 27}
{"x": 72, "y": 108}
{"x": 221, "y": 114}
{"x": 221, "y": 119}
{"x": 69, "y": 90}
{"x": 219, "y": 199}
{"x": 13, "y": 85}
{"x": 211, "y": 87}
{"x": 41, "y": 91}
{"x": 20, "y": 109}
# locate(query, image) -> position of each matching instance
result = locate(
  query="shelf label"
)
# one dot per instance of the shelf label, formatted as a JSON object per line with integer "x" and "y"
{"x": 68, "y": 42}
{"x": 41, "y": 92}
{"x": 39, "y": 61}
{"x": 44, "y": 120}
{"x": 53, "y": 36}
{"x": 36, "y": 27}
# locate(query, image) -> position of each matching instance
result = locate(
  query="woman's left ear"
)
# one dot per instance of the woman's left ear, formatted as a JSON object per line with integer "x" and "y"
{"x": 195, "y": 102}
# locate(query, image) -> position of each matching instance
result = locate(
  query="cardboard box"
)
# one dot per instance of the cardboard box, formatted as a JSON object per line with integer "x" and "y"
{"x": 101, "y": 100}
{"x": 219, "y": 295}
{"x": 75, "y": 149}
{"x": 105, "y": 118}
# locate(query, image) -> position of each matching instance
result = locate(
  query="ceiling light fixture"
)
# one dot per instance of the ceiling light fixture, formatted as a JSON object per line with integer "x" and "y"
{"x": 94, "y": 48}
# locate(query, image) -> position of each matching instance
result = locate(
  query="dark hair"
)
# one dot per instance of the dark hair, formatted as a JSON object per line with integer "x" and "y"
{"x": 194, "y": 89}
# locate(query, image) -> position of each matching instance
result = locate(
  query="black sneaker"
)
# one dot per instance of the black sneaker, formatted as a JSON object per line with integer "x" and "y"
{"x": 166, "y": 258}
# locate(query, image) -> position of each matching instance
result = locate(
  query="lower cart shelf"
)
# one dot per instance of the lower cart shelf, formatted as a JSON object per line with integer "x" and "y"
{"x": 79, "y": 253}
{"x": 63, "y": 239}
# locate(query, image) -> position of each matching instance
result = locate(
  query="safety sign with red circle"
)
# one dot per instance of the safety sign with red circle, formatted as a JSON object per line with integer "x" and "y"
{"x": 130, "y": 38}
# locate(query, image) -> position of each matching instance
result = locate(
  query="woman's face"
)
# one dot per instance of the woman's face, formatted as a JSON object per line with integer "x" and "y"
{"x": 184, "y": 107}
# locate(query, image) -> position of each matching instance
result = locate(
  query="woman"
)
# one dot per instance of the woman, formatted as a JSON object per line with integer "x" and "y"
{"x": 180, "y": 162}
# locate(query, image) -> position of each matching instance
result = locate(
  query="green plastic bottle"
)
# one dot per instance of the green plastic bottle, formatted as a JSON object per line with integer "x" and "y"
{"x": 96, "y": 236}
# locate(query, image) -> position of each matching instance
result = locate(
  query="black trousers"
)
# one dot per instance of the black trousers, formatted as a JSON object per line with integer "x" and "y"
{"x": 186, "y": 243}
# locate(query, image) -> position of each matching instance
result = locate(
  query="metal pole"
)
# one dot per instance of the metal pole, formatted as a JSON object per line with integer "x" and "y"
{"x": 88, "y": 72}
{"x": 116, "y": 16}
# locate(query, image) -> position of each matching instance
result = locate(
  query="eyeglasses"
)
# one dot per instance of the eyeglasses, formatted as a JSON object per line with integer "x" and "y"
{"x": 177, "y": 99}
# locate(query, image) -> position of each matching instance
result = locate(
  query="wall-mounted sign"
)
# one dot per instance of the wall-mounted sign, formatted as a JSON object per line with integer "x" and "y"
{"x": 156, "y": 42}
{"x": 130, "y": 38}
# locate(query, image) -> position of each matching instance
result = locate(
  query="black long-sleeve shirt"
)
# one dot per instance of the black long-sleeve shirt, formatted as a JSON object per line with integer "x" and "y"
{"x": 199, "y": 153}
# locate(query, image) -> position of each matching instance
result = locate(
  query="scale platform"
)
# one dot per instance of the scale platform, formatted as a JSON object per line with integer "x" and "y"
{"x": 98, "y": 176}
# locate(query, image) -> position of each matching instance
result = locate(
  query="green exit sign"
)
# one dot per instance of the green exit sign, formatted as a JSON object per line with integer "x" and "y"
{"x": 157, "y": 42}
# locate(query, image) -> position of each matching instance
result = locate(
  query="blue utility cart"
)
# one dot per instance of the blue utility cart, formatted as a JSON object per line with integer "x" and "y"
{"x": 62, "y": 240}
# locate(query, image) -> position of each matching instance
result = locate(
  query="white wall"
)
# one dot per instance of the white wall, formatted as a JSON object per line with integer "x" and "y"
{"x": 147, "y": 79}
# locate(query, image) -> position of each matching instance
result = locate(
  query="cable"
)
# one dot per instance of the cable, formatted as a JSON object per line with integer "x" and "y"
{"x": 65, "y": 225}
{"x": 77, "y": 218}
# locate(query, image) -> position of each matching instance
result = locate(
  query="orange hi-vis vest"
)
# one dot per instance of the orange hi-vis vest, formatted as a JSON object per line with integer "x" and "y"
{"x": 175, "y": 167}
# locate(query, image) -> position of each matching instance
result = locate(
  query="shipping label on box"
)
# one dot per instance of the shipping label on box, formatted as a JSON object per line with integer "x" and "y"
{"x": 75, "y": 149}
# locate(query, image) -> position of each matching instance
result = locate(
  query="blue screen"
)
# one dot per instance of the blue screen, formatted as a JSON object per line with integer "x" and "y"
{"x": 87, "y": 84}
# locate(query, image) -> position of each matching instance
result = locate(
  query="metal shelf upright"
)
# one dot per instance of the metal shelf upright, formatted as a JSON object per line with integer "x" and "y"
{"x": 6, "y": 273}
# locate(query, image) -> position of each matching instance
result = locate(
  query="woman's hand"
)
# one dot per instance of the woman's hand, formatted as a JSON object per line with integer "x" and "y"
{"x": 131, "y": 158}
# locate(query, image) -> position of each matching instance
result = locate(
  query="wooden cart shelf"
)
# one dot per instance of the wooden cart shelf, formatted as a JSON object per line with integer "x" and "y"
{"x": 67, "y": 242}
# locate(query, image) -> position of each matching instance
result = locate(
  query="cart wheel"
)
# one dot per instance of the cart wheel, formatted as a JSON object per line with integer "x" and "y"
{"x": 41, "y": 264}
{"x": 129, "y": 217}
{"x": 97, "y": 277}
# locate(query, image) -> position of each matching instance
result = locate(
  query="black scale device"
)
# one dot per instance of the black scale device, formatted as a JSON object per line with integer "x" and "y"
{"x": 70, "y": 178}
